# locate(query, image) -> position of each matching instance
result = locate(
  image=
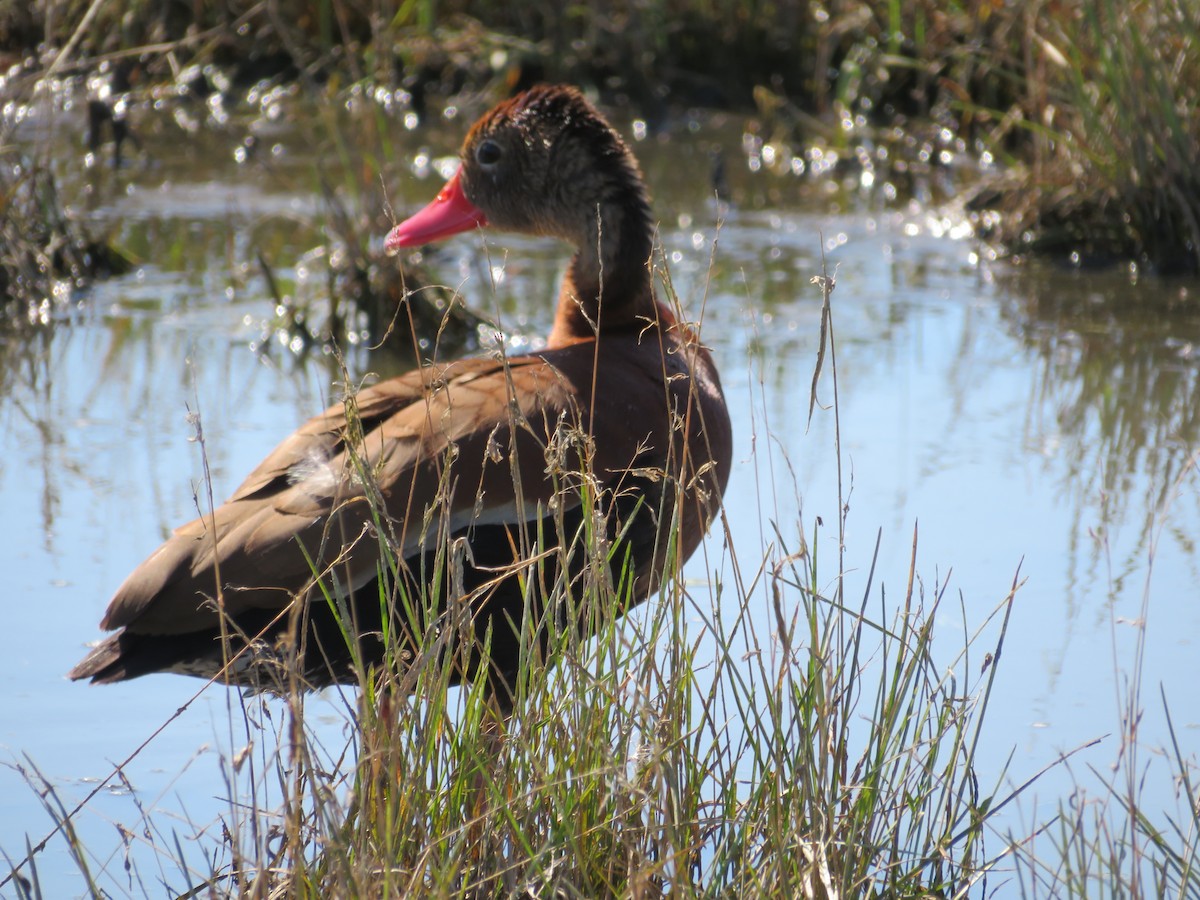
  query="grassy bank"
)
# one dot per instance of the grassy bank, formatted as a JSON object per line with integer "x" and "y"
{"x": 1090, "y": 107}
{"x": 1109, "y": 170}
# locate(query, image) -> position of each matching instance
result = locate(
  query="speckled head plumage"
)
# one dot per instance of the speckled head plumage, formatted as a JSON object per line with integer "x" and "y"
{"x": 545, "y": 161}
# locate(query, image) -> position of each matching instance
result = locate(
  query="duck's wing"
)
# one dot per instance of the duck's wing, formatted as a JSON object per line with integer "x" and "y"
{"x": 434, "y": 450}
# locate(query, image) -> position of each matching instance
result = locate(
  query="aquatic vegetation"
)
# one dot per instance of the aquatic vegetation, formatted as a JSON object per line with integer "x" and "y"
{"x": 772, "y": 736}
{"x": 45, "y": 254}
{"x": 1091, "y": 107}
{"x": 1109, "y": 173}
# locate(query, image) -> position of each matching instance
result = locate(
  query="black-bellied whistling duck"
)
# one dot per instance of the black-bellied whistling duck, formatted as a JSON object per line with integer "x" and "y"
{"x": 483, "y": 451}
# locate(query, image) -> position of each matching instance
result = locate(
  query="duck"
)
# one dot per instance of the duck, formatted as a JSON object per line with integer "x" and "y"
{"x": 484, "y": 501}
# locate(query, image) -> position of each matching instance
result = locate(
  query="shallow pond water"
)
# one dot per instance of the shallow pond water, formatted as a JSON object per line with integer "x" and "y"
{"x": 1032, "y": 420}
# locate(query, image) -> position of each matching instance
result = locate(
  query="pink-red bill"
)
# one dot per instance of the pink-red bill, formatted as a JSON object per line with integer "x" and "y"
{"x": 449, "y": 213}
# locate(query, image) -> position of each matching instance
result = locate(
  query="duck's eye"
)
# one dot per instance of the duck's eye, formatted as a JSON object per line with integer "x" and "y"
{"x": 488, "y": 153}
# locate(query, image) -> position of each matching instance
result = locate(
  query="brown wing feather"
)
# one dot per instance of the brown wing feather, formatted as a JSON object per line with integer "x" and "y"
{"x": 308, "y": 490}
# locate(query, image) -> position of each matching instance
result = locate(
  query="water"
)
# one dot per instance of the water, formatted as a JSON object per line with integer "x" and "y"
{"x": 1030, "y": 420}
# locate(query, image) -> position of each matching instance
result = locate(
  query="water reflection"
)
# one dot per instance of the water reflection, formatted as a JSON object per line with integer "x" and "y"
{"x": 1115, "y": 404}
{"x": 28, "y": 389}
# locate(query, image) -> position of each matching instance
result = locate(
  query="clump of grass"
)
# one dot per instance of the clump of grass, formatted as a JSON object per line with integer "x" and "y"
{"x": 45, "y": 254}
{"x": 626, "y": 771}
{"x": 354, "y": 293}
{"x": 1114, "y": 110}
{"x": 838, "y": 761}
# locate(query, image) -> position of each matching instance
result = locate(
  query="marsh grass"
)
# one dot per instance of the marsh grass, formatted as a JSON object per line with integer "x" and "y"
{"x": 1112, "y": 109}
{"x": 1104, "y": 843}
{"x": 760, "y": 729}
{"x": 1093, "y": 106}
{"x": 45, "y": 253}
{"x": 786, "y": 726}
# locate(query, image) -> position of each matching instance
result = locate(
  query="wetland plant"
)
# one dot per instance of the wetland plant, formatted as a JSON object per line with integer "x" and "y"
{"x": 766, "y": 732}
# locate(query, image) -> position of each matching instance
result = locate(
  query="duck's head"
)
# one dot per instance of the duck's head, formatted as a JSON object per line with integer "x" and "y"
{"x": 544, "y": 163}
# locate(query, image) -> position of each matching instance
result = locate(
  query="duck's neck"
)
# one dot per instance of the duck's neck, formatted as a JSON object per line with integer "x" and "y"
{"x": 608, "y": 286}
